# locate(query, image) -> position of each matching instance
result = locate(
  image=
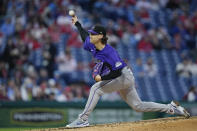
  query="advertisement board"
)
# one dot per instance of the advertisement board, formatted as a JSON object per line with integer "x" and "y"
{"x": 33, "y": 117}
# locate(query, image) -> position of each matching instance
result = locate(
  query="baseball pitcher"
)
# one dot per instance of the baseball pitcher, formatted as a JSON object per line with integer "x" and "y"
{"x": 111, "y": 74}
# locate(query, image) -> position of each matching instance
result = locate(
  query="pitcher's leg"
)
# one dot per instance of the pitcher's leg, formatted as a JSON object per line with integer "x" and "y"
{"x": 94, "y": 96}
{"x": 96, "y": 91}
{"x": 132, "y": 99}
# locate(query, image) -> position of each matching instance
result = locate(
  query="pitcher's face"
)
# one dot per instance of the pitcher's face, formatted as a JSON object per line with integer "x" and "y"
{"x": 94, "y": 38}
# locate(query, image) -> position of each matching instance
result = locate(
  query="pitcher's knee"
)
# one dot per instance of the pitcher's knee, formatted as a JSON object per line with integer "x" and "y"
{"x": 96, "y": 89}
{"x": 137, "y": 107}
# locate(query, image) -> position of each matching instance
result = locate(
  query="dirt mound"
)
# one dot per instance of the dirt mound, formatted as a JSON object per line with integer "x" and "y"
{"x": 165, "y": 124}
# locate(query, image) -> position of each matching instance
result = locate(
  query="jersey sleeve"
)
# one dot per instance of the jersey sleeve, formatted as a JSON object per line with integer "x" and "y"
{"x": 83, "y": 33}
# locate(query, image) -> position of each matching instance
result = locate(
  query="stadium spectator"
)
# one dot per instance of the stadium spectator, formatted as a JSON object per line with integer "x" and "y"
{"x": 2, "y": 43}
{"x": 143, "y": 4}
{"x": 144, "y": 17}
{"x": 54, "y": 33}
{"x": 49, "y": 52}
{"x": 78, "y": 94}
{"x": 38, "y": 30}
{"x": 113, "y": 39}
{"x": 193, "y": 69}
{"x": 18, "y": 76}
{"x": 60, "y": 96}
{"x": 43, "y": 74}
{"x": 53, "y": 91}
{"x": 128, "y": 37}
{"x": 154, "y": 40}
{"x": 26, "y": 90}
{"x": 3, "y": 95}
{"x": 10, "y": 54}
{"x": 13, "y": 92}
{"x": 194, "y": 20}
{"x": 39, "y": 93}
{"x": 138, "y": 68}
{"x": 191, "y": 95}
{"x": 8, "y": 27}
{"x": 73, "y": 41}
{"x": 183, "y": 69}
{"x": 3, "y": 72}
{"x": 172, "y": 4}
{"x": 178, "y": 43}
{"x": 145, "y": 45}
{"x": 155, "y": 4}
{"x": 163, "y": 37}
{"x": 150, "y": 68}
{"x": 63, "y": 18}
{"x": 69, "y": 93}
{"x": 66, "y": 66}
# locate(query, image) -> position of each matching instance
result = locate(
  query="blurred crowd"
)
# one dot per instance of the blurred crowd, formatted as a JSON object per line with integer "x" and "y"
{"x": 35, "y": 64}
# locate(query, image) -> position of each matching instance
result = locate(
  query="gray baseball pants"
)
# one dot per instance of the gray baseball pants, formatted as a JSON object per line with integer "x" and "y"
{"x": 125, "y": 84}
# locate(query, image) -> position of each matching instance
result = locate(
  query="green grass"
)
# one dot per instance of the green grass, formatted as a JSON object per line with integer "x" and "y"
{"x": 17, "y": 129}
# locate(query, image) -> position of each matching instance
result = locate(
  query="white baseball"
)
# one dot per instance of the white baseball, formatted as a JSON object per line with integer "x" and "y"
{"x": 71, "y": 12}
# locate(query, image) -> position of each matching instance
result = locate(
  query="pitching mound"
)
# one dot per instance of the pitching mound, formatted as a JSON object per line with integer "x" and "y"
{"x": 165, "y": 124}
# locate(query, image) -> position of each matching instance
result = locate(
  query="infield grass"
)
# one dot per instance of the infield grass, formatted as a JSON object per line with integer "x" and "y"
{"x": 18, "y": 129}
